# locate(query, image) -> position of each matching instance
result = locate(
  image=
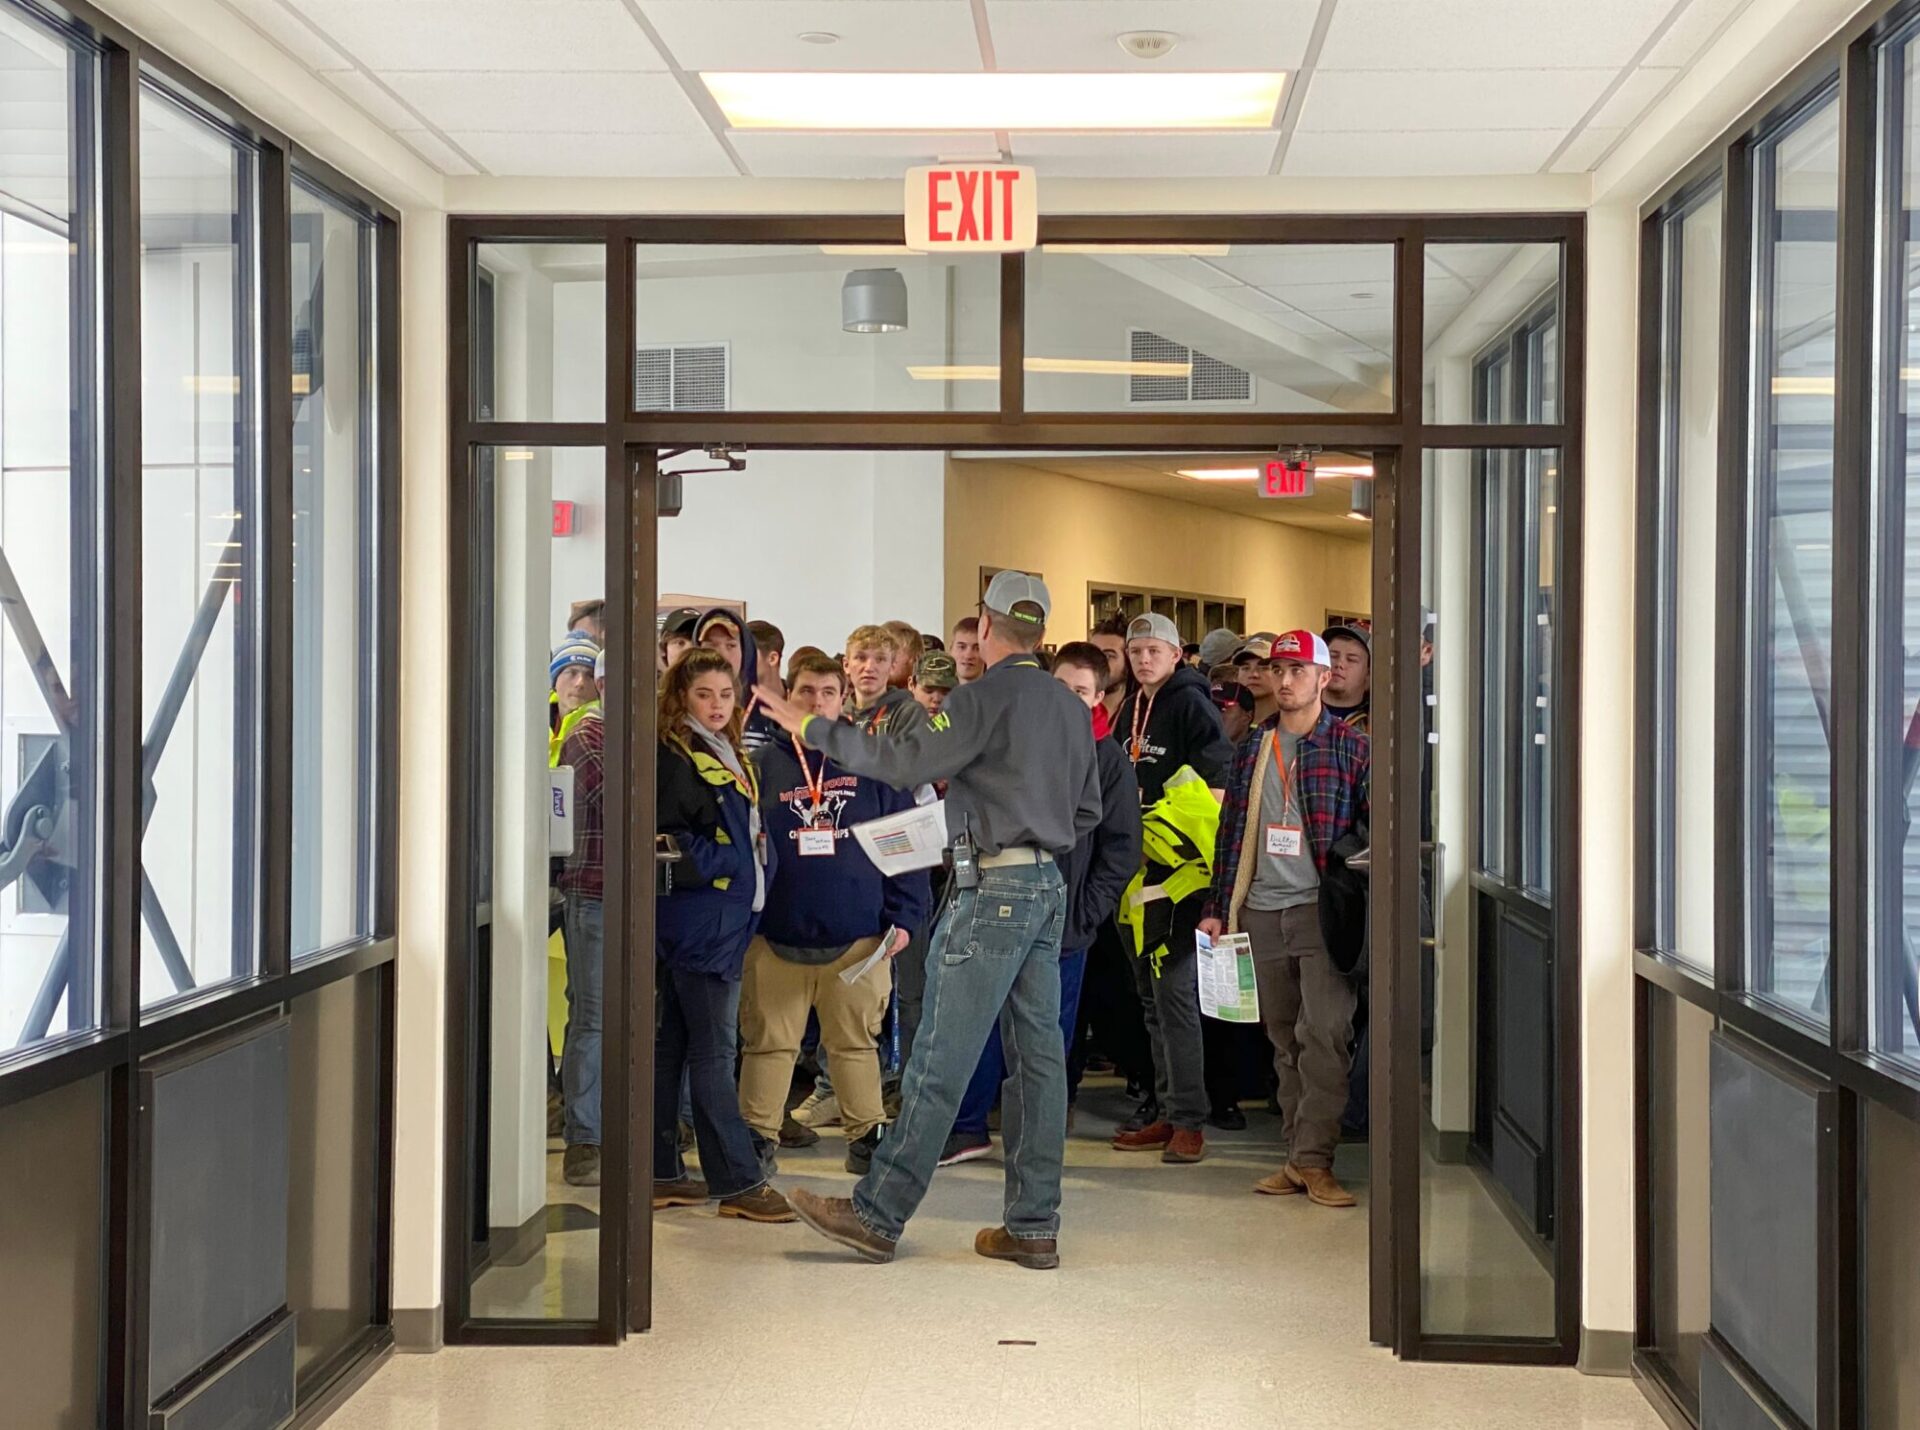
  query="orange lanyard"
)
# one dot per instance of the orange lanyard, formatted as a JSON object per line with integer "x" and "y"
{"x": 1286, "y": 779}
{"x": 816, "y": 785}
{"x": 1142, "y": 717}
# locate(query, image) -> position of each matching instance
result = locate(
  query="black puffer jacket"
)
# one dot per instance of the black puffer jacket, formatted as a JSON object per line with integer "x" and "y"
{"x": 1101, "y": 865}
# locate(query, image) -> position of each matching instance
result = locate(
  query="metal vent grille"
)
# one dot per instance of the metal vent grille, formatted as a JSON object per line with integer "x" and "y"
{"x": 1210, "y": 381}
{"x": 691, "y": 378}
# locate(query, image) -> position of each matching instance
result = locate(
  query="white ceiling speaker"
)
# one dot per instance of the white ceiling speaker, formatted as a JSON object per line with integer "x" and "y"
{"x": 874, "y": 300}
{"x": 818, "y": 37}
{"x": 1148, "y": 44}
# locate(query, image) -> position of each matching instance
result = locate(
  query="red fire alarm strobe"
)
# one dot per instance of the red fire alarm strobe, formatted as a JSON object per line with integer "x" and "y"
{"x": 1287, "y": 477}
{"x": 563, "y": 518}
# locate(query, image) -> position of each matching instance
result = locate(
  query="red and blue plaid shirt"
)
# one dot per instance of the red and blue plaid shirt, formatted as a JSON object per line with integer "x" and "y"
{"x": 1331, "y": 774}
{"x": 584, "y": 873}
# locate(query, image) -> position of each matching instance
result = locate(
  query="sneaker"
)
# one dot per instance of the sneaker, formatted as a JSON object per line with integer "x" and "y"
{"x": 1145, "y": 1115}
{"x": 965, "y": 1147}
{"x": 686, "y": 1192}
{"x": 1031, "y": 1252}
{"x": 834, "y": 1218}
{"x": 819, "y": 1110}
{"x": 581, "y": 1166}
{"x": 1185, "y": 1146}
{"x": 762, "y": 1204}
{"x": 792, "y": 1134}
{"x": 860, "y": 1151}
{"x": 1228, "y": 1119}
{"x": 1144, "y": 1139}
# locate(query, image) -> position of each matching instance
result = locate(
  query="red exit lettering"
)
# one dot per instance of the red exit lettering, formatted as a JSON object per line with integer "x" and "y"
{"x": 974, "y": 206}
{"x": 1286, "y": 479}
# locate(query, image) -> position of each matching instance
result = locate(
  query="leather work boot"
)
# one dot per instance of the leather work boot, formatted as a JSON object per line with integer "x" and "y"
{"x": 1149, "y": 1138}
{"x": 686, "y": 1192}
{"x": 1185, "y": 1147}
{"x": 581, "y": 1165}
{"x": 1319, "y": 1185}
{"x": 1277, "y": 1185}
{"x": 833, "y": 1218}
{"x": 1031, "y": 1252}
{"x": 762, "y": 1204}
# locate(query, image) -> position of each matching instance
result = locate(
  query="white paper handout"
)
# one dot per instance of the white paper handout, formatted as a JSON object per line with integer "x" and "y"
{"x": 1225, "y": 970}
{"x": 864, "y": 966}
{"x": 912, "y": 839}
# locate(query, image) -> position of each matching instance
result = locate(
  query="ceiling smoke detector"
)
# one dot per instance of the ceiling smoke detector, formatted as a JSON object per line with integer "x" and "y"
{"x": 1148, "y": 44}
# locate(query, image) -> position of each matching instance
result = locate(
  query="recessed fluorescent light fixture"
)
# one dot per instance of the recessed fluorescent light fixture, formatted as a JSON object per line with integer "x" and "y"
{"x": 517, "y": 454}
{"x": 983, "y": 372}
{"x": 1219, "y": 474}
{"x": 990, "y": 372}
{"x": 951, "y": 103}
{"x": 864, "y": 250}
{"x": 1110, "y": 250}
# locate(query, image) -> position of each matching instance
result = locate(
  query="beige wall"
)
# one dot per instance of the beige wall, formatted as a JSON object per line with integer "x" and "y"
{"x": 1073, "y": 532}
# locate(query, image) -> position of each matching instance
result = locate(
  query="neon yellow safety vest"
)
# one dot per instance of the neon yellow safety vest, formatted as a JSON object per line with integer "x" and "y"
{"x": 559, "y": 736}
{"x": 1177, "y": 832}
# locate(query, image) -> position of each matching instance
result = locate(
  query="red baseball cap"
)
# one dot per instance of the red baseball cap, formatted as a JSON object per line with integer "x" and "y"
{"x": 1303, "y": 646}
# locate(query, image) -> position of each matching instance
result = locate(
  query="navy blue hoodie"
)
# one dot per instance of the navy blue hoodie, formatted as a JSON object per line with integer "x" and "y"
{"x": 827, "y": 902}
{"x": 760, "y": 731}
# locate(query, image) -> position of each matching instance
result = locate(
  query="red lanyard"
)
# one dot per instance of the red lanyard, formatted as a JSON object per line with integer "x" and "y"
{"x": 1142, "y": 717}
{"x": 873, "y": 720}
{"x": 816, "y": 784}
{"x": 1286, "y": 778}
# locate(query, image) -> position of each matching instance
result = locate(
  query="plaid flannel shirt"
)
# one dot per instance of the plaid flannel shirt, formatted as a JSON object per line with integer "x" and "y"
{"x": 583, "y": 875}
{"x": 1332, "y": 774}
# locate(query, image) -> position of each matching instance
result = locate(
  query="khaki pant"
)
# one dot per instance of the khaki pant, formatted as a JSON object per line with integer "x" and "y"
{"x": 1307, "y": 1005}
{"x": 775, "y": 997}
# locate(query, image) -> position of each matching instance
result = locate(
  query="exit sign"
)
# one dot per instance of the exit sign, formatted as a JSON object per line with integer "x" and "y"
{"x": 972, "y": 208}
{"x": 1286, "y": 479}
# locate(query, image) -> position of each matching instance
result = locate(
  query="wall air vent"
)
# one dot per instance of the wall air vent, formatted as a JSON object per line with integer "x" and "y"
{"x": 694, "y": 377}
{"x": 1211, "y": 381}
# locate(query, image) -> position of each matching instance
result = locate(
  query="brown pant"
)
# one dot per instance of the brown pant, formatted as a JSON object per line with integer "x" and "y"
{"x": 1307, "y": 1006}
{"x": 775, "y": 997}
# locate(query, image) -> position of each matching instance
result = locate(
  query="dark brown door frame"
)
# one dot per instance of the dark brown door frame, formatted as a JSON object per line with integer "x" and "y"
{"x": 1398, "y": 440}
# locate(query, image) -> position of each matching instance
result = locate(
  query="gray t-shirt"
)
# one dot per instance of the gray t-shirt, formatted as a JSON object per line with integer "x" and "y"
{"x": 1282, "y": 880}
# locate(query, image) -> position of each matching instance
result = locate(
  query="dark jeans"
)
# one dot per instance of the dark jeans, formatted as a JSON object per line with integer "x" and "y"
{"x": 995, "y": 954}
{"x": 992, "y": 1068}
{"x": 1171, "y": 1004}
{"x": 1110, "y": 1014}
{"x": 580, "y": 1054}
{"x": 697, "y": 1027}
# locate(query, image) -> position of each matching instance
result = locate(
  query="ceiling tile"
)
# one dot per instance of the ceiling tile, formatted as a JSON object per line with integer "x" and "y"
{"x": 486, "y": 34}
{"x": 1694, "y": 28}
{"x": 852, "y": 156}
{"x": 434, "y": 150}
{"x": 911, "y": 35}
{"x": 367, "y": 92}
{"x": 1414, "y": 152}
{"x": 546, "y": 103}
{"x": 1626, "y": 104}
{"x": 1146, "y": 156}
{"x": 1588, "y": 148}
{"x": 280, "y": 23}
{"x": 1456, "y": 270}
{"x": 1278, "y": 265}
{"x": 597, "y": 155}
{"x": 1350, "y": 100}
{"x": 1214, "y": 34}
{"x": 1464, "y": 34}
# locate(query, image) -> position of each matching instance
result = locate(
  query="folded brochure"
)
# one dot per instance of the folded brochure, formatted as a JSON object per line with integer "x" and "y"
{"x": 1224, "y": 967}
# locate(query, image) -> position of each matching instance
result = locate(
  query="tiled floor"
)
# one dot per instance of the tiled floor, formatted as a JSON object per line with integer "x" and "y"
{"x": 1183, "y": 1300}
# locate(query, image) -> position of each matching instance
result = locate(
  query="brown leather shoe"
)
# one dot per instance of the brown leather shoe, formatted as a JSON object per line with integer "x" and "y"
{"x": 1031, "y": 1252}
{"x": 833, "y": 1218}
{"x": 762, "y": 1204}
{"x": 1185, "y": 1146}
{"x": 686, "y": 1192}
{"x": 1278, "y": 1185}
{"x": 1149, "y": 1138}
{"x": 1319, "y": 1185}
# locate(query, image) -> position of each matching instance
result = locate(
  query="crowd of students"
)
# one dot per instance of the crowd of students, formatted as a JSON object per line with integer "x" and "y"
{"x": 1234, "y": 785}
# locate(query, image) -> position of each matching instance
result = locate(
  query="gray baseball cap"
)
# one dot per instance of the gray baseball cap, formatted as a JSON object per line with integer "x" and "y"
{"x": 1216, "y": 646}
{"x": 1009, "y": 588}
{"x": 1154, "y": 627}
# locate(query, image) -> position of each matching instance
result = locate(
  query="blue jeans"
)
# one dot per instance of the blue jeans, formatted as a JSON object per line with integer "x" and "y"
{"x": 697, "y": 1015}
{"x": 580, "y": 1057}
{"x": 992, "y": 1068}
{"x": 995, "y": 954}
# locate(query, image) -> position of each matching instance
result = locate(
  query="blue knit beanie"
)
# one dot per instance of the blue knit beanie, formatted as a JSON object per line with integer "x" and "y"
{"x": 577, "y": 648}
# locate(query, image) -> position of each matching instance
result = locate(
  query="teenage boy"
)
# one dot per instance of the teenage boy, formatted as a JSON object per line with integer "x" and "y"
{"x": 1251, "y": 662}
{"x": 573, "y": 691}
{"x": 874, "y": 703}
{"x": 826, "y": 911}
{"x": 582, "y": 884}
{"x": 676, "y": 633}
{"x": 1096, "y": 873}
{"x": 590, "y": 617}
{"x": 964, "y": 645}
{"x": 722, "y": 630}
{"x": 770, "y": 644}
{"x": 1167, "y": 724}
{"x": 907, "y": 650}
{"x": 1233, "y": 700}
{"x": 1295, "y": 792}
{"x": 1349, "y": 687}
{"x": 1111, "y": 637}
{"x": 935, "y": 675}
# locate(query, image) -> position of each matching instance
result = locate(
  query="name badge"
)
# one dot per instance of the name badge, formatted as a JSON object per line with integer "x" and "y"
{"x": 816, "y": 842}
{"x": 1285, "y": 840}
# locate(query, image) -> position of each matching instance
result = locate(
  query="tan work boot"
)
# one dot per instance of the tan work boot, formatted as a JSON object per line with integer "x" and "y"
{"x": 834, "y": 1218}
{"x": 762, "y": 1204}
{"x": 1277, "y": 1185}
{"x": 687, "y": 1192}
{"x": 1319, "y": 1185}
{"x": 1030, "y": 1252}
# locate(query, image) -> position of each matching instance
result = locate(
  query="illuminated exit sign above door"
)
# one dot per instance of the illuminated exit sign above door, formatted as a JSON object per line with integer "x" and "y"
{"x": 972, "y": 208}
{"x": 1286, "y": 479}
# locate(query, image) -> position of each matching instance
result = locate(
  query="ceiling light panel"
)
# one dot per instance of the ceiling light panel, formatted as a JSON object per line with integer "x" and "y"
{"x": 1148, "y": 100}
